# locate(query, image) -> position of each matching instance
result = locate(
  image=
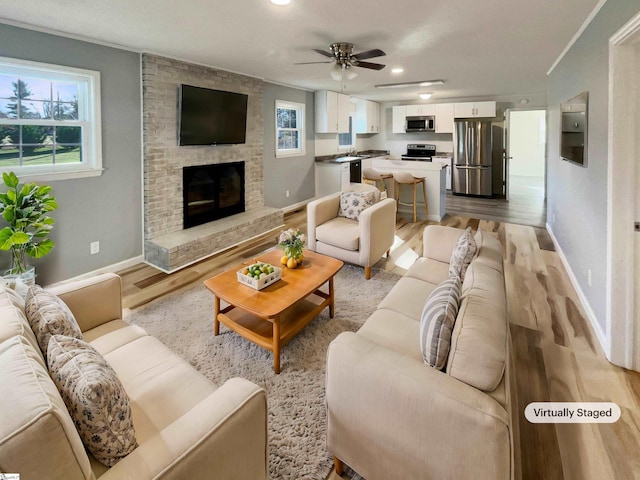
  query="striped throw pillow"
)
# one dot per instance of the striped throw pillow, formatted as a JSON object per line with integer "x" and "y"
{"x": 463, "y": 252}
{"x": 438, "y": 317}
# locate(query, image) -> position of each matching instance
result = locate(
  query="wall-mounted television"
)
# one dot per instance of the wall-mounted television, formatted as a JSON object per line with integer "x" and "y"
{"x": 573, "y": 135}
{"x": 211, "y": 117}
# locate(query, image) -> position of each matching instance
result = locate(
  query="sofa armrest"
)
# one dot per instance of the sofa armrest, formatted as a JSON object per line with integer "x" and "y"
{"x": 391, "y": 416}
{"x": 377, "y": 230}
{"x": 93, "y": 301}
{"x": 223, "y": 436}
{"x": 318, "y": 212}
{"x": 438, "y": 242}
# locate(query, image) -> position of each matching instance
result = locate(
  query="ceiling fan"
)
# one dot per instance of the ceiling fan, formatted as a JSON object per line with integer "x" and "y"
{"x": 341, "y": 54}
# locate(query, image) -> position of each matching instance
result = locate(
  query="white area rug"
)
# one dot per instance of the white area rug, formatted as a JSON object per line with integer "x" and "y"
{"x": 297, "y": 416}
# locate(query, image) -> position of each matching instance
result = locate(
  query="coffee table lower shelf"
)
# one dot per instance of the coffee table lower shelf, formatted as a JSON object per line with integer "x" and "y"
{"x": 273, "y": 333}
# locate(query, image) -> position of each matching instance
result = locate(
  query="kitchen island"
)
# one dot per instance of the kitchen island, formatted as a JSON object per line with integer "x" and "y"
{"x": 434, "y": 174}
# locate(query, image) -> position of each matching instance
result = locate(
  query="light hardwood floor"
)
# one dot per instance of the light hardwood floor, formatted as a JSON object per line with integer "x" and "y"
{"x": 557, "y": 355}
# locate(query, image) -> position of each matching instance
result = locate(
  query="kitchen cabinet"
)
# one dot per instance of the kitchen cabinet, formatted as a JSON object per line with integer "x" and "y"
{"x": 444, "y": 117}
{"x": 399, "y": 114}
{"x": 474, "y": 110}
{"x": 332, "y": 177}
{"x": 367, "y": 117}
{"x": 420, "y": 110}
{"x": 332, "y": 112}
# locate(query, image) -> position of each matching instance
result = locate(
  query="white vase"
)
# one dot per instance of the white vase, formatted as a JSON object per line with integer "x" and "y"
{"x": 20, "y": 282}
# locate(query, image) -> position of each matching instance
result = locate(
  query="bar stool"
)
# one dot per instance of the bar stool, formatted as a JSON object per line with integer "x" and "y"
{"x": 373, "y": 176}
{"x": 406, "y": 178}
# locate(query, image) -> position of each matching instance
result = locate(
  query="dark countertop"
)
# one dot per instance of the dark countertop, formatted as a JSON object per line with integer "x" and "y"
{"x": 363, "y": 154}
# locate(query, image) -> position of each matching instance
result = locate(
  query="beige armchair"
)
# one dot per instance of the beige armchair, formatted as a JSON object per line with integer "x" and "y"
{"x": 361, "y": 242}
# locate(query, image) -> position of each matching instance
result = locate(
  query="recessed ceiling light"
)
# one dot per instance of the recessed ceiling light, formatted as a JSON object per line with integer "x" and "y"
{"x": 281, "y": 2}
{"x": 397, "y": 70}
{"x": 425, "y": 96}
{"x": 425, "y": 83}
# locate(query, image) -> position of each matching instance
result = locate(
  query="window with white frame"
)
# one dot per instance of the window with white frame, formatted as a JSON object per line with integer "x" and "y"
{"x": 347, "y": 140}
{"x": 49, "y": 120}
{"x": 289, "y": 129}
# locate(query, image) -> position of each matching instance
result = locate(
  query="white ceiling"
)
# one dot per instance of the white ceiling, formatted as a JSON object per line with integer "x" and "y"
{"x": 481, "y": 48}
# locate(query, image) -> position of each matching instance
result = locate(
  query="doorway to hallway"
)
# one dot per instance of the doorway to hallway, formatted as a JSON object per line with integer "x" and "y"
{"x": 526, "y": 144}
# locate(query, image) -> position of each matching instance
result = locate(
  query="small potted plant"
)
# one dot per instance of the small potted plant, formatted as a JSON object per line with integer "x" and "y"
{"x": 25, "y": 208}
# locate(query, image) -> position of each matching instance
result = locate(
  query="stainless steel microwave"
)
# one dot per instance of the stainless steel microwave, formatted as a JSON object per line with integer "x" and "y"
{"x": 420, "y": 124}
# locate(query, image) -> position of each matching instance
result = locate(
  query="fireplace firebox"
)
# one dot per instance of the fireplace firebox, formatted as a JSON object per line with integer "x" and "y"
{"x": 211, "y": 192}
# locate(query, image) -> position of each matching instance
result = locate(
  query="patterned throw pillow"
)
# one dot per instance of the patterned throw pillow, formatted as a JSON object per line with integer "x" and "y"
{"x": 438, "y": 317}
{"x": 48, "y": 315}
{"x": 94, "y": 397}
{"x": 462, "y": 254}
{"x": 353, "y": 203}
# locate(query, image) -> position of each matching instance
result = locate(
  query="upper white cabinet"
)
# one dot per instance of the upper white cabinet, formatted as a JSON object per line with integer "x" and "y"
{"x": 332, "y": 112}
{"x": 444, "y": 117}
{"x": 367, "y": 116}
{"x": 399, "y": 113}
{"x": 420, "y": 110}
{"x": 474, "y": 109}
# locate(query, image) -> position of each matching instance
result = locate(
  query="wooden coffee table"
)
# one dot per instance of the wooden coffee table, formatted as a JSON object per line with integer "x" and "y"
{"x": 271, "y": 317}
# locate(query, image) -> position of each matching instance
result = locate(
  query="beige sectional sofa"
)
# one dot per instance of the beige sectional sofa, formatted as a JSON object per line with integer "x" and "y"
{"x": 185, "y": 426}
{"x": 392, "y": 416}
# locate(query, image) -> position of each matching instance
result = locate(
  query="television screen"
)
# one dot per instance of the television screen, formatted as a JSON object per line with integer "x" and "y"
{"x": 211, "y": 117}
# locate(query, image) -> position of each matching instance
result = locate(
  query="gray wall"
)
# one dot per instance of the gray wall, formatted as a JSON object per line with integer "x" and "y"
{"x": 296, "y": 174}
{"x": 107, "y": 208}
{"x": 577, "y": 196}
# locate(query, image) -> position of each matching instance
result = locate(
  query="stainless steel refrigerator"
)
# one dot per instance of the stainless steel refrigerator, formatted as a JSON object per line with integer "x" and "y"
{"x": 472, "y": 158}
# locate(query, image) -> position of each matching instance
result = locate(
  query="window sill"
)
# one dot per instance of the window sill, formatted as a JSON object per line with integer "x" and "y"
{"x": 40, "y": 177}
{"x": 289, "y": 155}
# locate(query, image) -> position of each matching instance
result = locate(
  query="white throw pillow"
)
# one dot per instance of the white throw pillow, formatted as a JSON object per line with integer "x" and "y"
{"x": 436, "y": 324}
{"x": 353, "y": 203}
{"x": 463, "y": 252}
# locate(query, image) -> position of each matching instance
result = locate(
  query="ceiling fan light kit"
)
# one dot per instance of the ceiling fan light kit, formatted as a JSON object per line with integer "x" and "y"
{"x": 342, "y": 54}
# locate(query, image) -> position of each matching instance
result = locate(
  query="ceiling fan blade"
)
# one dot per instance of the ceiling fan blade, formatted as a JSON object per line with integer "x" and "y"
{"x": 308, "y": 63}
{"x": 369, "y": 54}
{"x": 323, "y": 52}
{"x": 372, "y": 66}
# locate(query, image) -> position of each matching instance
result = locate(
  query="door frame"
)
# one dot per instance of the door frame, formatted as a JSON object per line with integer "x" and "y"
{"x": 623, "y": 325}
{"x": 507, "y": 146}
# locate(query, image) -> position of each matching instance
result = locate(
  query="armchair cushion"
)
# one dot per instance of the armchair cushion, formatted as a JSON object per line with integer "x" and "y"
{"x": 340, "y": 232}
{"x": 353, "y": 203}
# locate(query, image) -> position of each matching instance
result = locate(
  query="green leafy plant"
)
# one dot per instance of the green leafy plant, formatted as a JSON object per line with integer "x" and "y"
{"x": 25, "y": 208}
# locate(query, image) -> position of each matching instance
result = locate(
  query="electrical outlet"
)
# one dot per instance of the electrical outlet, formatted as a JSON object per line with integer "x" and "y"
{"x": 95, "y": 247}
{"x": 589, "y": 277}
{"x": 287, "y": 193}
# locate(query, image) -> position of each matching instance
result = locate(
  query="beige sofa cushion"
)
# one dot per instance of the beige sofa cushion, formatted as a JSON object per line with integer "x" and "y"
{"x": 14, "y": 321}
{"x": 394, "y": 331}
{"x": 48, "y": 315}
{"x": 479, "y": 340}
{"x": 429, "y": 270}
{"x": 340, "y": 232}
{"x": 38, "y": 439}
{"x": 408, "y": 297}
{"x": 489, "y": 251}
{"x": 94, "y": 397}
{"x": 439, "y": 241}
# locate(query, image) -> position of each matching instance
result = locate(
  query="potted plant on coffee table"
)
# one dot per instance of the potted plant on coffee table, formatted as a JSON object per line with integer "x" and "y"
{"x": 25, "y": 208}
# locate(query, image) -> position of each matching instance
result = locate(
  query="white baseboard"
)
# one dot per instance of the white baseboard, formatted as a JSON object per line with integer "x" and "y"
{"x": 602, "y": 337}
{"x": 297, "y": 206}
{"x": 116, "y": 267}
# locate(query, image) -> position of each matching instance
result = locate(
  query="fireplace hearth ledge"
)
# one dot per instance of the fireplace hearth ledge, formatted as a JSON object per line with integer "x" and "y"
{"x": 176, "y": 250}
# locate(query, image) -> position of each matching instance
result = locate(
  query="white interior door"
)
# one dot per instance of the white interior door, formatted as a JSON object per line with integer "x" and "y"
{"x": 526, "y": 151}
{"x": 623, "y": 198}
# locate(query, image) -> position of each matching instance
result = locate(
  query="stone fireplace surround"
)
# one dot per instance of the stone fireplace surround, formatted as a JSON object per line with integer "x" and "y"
{"x": 167, "y": 245}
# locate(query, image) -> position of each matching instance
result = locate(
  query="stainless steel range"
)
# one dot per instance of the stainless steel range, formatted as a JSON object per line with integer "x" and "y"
{"x": 419, "y": 152}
